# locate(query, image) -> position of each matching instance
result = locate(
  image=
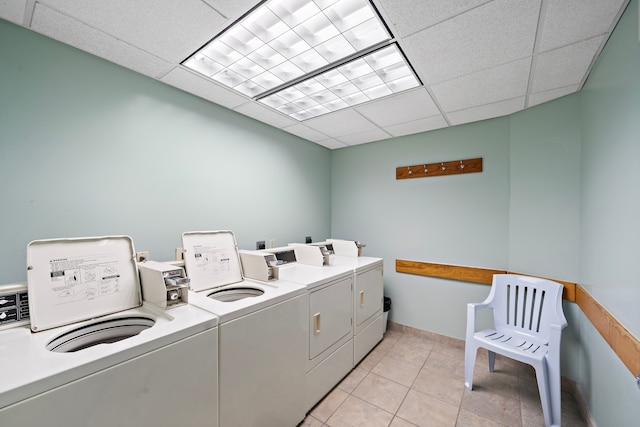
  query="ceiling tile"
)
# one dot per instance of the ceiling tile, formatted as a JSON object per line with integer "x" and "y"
{"x": 331, "y": 143}
{"x": 408, "y": 16}
{"x": 489, "y": 86}
{"x": 563, "y": 26}
{"x": 189, "y": 82}
{"x": 62, "y": 28}
{"x": 265, "y": 114}
{"x": 488, "y": 111}
{"x": 404, "y": 107}
{"x": 565, "y": 66}
{"x": 232, "y": 9}
{"x": 495, "y": 33}
{"x": 13, "y": 10}
{"x": 340, "y": 123}
{"x": 171, "y": 30}
{"x": 364, "y": 137}
{"x": 540, "y": 97}
{"x": 417, "y": 126}
{"x": 304, "y": 132}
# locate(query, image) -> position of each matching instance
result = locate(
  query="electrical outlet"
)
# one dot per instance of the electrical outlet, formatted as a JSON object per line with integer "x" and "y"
{"x": 142, "y": 256}
{"x": 272, "y": 243}
{"x": 260, "y": 244}
{"x": 308, "y": 239}
{"x": 179, "y": 254}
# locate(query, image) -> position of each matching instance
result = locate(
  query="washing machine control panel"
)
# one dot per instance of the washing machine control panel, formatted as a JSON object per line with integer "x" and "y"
{"x": 14, "y": 306}
{"x": 163, "y": 284}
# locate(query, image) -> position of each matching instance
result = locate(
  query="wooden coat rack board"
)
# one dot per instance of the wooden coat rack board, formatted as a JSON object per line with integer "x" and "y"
{"x": 452, "y": 167}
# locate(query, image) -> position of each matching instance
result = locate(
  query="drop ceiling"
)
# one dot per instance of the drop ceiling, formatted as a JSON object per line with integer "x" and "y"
{"x": 477, "y": 59}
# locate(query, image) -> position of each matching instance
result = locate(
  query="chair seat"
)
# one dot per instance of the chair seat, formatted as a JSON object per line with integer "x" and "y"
{"x": 518, "y": 346}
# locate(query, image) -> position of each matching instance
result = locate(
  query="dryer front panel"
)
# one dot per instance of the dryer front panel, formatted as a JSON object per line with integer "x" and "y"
{"x": 330, "y": 315}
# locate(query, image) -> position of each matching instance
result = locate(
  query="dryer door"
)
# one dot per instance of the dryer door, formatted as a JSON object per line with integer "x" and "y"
{"x": 368, "y": 295}
{"x": 330, "y": 310}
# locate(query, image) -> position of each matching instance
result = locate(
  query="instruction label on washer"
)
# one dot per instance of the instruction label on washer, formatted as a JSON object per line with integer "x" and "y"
{"x": 84, "y": 278}
{"x": 211, "y": 259}
{"x": 77, "y": 279}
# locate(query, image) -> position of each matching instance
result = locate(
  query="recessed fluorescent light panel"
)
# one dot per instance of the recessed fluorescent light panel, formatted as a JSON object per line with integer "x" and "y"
{"x": 306, "y": 58}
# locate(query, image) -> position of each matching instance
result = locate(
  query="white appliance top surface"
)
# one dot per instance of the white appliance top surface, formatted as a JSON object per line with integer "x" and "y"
{"x": 28, "y": 368}
{"x": 274, "y": 292}
{"x": 356, "y": 263}
{"x": 312, "y": 276}
{"x": 70, "y": 280}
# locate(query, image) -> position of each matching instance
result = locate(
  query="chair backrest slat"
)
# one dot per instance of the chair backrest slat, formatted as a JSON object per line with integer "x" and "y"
{"x": 529, "y": 302}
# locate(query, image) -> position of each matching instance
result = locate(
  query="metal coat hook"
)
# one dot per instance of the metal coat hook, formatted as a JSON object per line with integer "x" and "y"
{"x": 461, "y": 165}
{"x": 443, "y": 166}
{"x": 409, "y": 169}
{"x": 425, "y": 169}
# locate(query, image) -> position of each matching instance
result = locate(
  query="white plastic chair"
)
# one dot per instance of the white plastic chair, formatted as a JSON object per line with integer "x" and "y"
{"x": 528, "y": 322}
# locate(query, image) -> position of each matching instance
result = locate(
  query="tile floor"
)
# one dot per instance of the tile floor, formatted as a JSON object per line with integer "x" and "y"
{"x": 412, "y": 379}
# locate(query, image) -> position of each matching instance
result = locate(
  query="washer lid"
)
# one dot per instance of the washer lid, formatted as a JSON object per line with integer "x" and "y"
{"x": 70, "y": 280}
{"x": 211, "y": 259}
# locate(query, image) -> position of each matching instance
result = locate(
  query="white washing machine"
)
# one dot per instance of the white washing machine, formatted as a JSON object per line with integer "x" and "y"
{"x": 262, "y": 334}
{"x": 329, "y": 298}
{"x": 368, "y": 296}
{"x": 95, "y": 355}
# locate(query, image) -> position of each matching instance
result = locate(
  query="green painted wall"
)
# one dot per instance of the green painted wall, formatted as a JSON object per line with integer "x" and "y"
{"x": 610, "y": 207}
{"x": 89, "y": 148}
{"x": 544, "y": 200}
{"x": 559, "y": 197}
{"x": 460, "y": 219}
{"x": 610, "y": 178}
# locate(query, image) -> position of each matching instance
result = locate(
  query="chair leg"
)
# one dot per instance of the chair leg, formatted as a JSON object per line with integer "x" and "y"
{"x": 543, "y": 389}
{"x": 555, "y": 395}
{"x": 470, "y": 351}
{"x": 492, "y": 360}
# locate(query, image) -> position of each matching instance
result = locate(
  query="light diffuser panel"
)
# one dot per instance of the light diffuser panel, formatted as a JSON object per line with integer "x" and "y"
{"x": 288, "y": 38}
{"x": 282, "y": 41}
{"x": 371, "y": 77}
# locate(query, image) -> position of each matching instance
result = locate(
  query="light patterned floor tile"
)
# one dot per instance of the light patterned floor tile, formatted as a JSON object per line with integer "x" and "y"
{"x": 469, "y": 419}
{"x": 311, "y": 421}
{"x": 323, "y": 410}
{"x": 351, "y": 381}
{"x": 417, "y": 341}
{"x": 492, "y": 406}
{"x": 397, "y": 370}
{"x": 434, "y": 383}
{"x": 399, "y": 422}
{"x": 356, "y": 412}
{"x": 425, "y": 411}
{"x": 393, "y": 386}
{"x": 409, "y": 353}
{"x": 381, "y": 392}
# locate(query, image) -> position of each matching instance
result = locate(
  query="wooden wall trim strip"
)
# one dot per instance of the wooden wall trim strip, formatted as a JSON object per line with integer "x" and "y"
{"x": 469, "y": 274}
{"x": 623, "y": 342}
{"x": 446, "y": 271}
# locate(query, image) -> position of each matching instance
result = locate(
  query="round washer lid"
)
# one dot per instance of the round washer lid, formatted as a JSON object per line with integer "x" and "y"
{"x": 70, "y": 280}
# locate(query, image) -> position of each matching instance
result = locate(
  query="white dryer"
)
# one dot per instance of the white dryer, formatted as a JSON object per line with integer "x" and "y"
{"x": 329, "y": 299}
{"x": 95, "y": 355}
{"x": 262, "y": 334}
{"x": 368, "y": 295}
